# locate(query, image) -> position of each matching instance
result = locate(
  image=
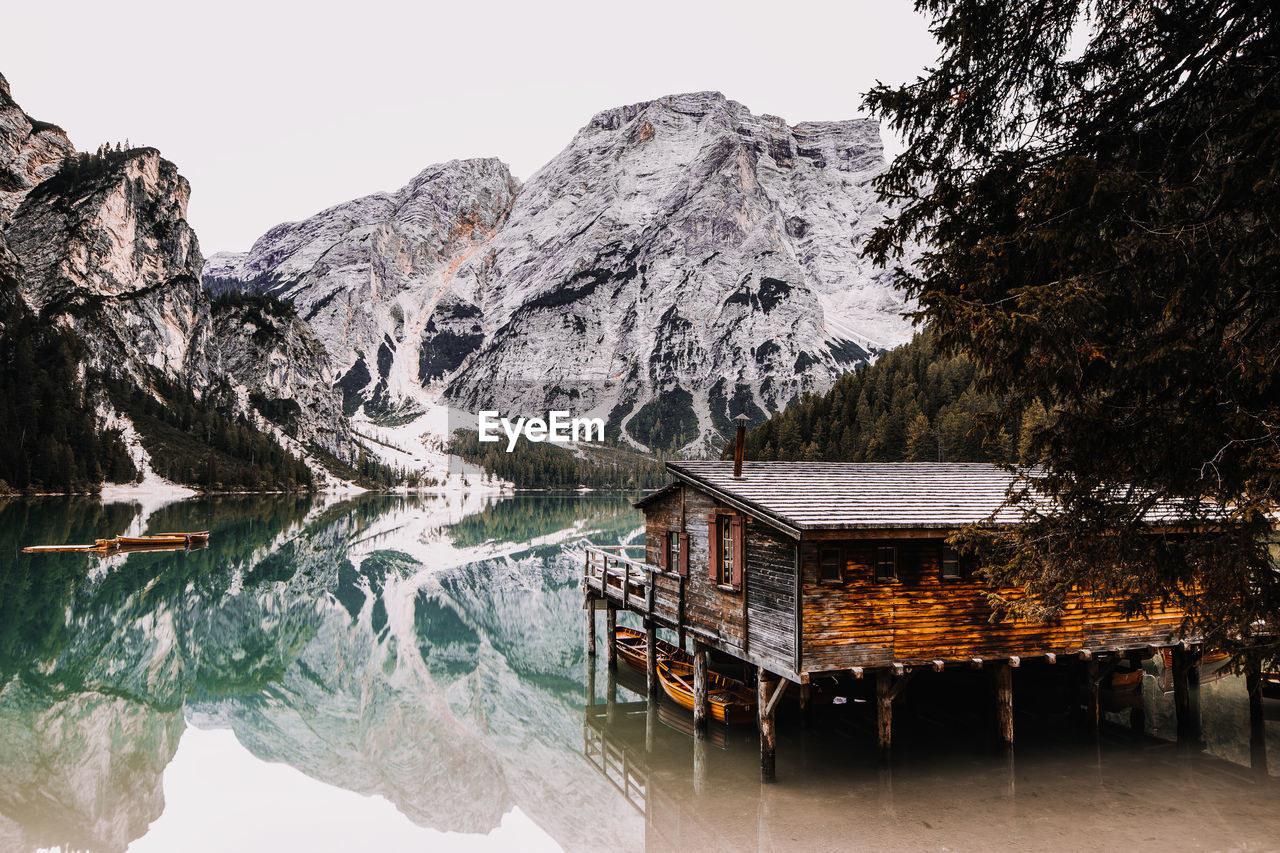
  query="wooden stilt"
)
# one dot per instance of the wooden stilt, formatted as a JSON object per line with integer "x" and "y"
{"x": 1257, "y": 722}
{"x": 1186, "y": 695}
{"x": 651, "y": 656}
{"x": 611, "y": 697}
{"x": 1093, "y": 705}
{"x": 651, "y": 725}
{"x": 1138, "y": 713}
{"x": 701, "y": 756}
{"x": 884, "y": 713}
{"x": 700, "y": 708}
{"x": 591, "y": 627}
{"x": 767, "y": 690}
{"x": 1002, "y": 675}
{"x": 591, "y": 682}
{"x": 611, "y": 636}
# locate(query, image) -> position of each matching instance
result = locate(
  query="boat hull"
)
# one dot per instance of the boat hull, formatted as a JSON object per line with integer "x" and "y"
{"x": 728, "y": 701}
{"x": 631, "y": 649}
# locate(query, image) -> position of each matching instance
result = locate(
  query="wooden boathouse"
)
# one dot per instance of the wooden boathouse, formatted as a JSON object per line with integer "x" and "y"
{"x": 812, "y": 569}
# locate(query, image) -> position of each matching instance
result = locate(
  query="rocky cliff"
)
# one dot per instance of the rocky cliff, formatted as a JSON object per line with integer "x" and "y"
{"x": 681, "y": 261}
{"x": 99, "y": 246}
{"x": 375, "y": 277}
{"x": 282, "y": 371}
{"x": 30, "y": 151}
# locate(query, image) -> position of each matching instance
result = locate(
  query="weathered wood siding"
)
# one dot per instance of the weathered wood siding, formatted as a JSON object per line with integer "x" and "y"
{"x": 921, "y": 617}
{"x": 771, "y": 594}
{"x": 712, "y": 610}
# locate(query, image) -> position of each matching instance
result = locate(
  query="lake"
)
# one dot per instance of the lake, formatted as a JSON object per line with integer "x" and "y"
{"x": 409, "y": 673}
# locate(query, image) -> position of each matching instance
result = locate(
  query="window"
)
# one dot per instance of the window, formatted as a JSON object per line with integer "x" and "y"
{"x": 951, "y": 570}
{"x": 673, "y": 550}
{"x": 727, "y": 555}
{"x": 831, "y": 566}
{"x": 886, "y": 563}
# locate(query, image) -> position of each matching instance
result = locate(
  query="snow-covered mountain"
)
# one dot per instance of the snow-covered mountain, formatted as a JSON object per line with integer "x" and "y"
{"x": 680, "y": 262}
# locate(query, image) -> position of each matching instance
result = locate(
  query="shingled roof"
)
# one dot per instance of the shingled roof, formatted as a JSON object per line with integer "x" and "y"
{"x": 799, "y": 496}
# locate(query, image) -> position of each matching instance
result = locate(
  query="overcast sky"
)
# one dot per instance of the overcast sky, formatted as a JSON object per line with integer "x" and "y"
{"x": 274, "y": 111}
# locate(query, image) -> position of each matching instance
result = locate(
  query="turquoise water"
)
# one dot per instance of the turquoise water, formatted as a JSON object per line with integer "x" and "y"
{"x": 399, "y": 673}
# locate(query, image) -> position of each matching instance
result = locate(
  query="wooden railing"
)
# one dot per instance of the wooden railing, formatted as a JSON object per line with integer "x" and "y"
{"x": 612, "y": 574}
{"x": 632, "y": 584}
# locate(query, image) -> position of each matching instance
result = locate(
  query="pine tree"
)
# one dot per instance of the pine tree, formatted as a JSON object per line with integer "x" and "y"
{"x": 1100, "y": 231}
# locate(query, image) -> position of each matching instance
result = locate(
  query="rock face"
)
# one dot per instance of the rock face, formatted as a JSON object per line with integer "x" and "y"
{"x": 377, "y": 276}
{"x": 680, "y": 262}
{"x": 30, "y": 151}
{"x": 100, "y": 245}
{"x": 105, "y": 247}
{"x": 283, "y": 370}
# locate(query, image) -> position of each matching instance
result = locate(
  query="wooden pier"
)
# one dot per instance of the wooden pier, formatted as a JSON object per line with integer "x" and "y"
{"x": 841, "y": 571}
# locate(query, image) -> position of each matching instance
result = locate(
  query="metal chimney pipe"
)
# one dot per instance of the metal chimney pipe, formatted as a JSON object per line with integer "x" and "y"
{"x": 739, "y": 446}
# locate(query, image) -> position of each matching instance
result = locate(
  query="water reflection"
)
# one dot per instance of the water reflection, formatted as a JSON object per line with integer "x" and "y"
{"x": 429, "y": 652}
{"x": 319, "y": 635}
{"x": 945, "y": 789}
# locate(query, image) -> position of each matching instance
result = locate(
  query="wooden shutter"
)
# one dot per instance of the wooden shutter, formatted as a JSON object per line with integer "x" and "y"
{"x": 684, "y": 555}
{"x": 713, "y": 548}
{"x": 664, "y": 545}
{"x": 739, "y": 550}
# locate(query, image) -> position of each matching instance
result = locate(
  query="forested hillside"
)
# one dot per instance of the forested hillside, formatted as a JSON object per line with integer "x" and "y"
{"x": 51, "y": 440}
{"x": 546, "y": 466}
{"x": 915, "y": 404}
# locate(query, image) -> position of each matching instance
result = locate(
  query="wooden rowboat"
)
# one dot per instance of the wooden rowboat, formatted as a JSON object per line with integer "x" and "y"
{"x": 730, "y": 702}
{"x": 1122, "y": 681}
{"x": 631, "y": 648}
{"x": 159, "y": 541}
{"x": 163, "y": 538}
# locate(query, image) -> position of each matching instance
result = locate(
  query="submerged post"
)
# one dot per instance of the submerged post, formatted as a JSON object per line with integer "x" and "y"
{"x": 1093, "y": 704}
{"x": 766, "y": 699}
{"x": 591, "y": 627}
{"x": 611, "y": 636}
{"x": 1138, "y": 711}
{"x": 1186, "y": 694}
{"x": 1257, "y": 722}
{"x": 611, "y": 697}
{"x": 699, "y": 687}
{"x": 651, "y": 656}
{"x": 884, "y": 713}
{"x": 1003, "y": 677}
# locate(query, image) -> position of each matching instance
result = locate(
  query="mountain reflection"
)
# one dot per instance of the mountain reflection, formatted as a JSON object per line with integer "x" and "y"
{"x": 427, "y": 650}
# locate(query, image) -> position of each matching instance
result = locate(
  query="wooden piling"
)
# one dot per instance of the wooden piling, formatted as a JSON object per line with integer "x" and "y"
{"x": 700, "y": 708}
{"x": 701, "y": 759}
{"x": 1137, "y": 713}
{"x": 591, "y": 627}
{"x": 611, "y": 697}
{"x": 651, "y": 656}
{"x": 1002, "y": 675}
{"x": 611, "y": 636}
{"x": 591, "y": 683}
{"x": 1093, "y": 704}
{"x": 651, "y": 726}
{"x": 1186, "y": 695}
{"x": 884, "y": 712}
{"x": 768, "y": 689}
{"x": 1257, "y": 722}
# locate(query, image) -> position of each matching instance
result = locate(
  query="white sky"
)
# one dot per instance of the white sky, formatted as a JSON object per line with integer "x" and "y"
{"x": 274, "y": 111}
